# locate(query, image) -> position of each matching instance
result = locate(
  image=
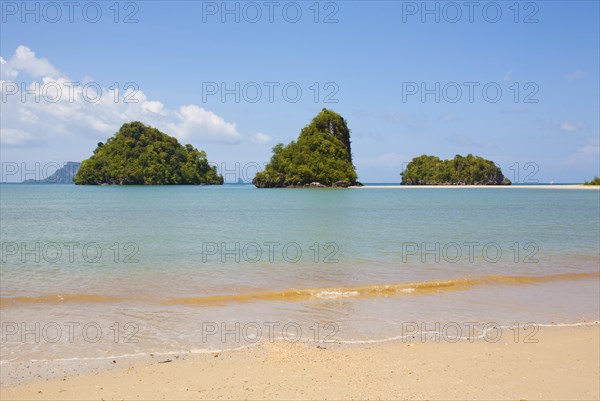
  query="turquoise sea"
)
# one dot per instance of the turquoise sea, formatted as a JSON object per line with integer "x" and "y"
{"x": 105, "y": 272}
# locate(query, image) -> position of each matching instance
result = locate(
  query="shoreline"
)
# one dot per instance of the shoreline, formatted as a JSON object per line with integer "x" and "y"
{"x": 543, "y": 186}
{"x": 560, "y": 362}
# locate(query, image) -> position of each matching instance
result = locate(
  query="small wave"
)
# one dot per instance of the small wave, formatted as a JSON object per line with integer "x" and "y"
{"x": 291, "y": 295}
{"x": 377, "y": 290}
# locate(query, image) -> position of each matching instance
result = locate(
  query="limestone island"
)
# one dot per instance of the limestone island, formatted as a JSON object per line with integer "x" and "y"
{"x": 469, "y": 170}
{"x": 142, "y": 155}
{"x": 321, "y": 157}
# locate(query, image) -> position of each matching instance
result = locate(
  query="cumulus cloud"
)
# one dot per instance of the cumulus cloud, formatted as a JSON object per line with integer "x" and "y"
{"x": 57, "y": 107}
{"x": 6, "y": 71}
{"x": 193, "y": 119}
{"x": 569, "y": 126}
{"x": 25, "y": 60}
{"x": 153, "y": 107}
{"x": 261, "y": 138}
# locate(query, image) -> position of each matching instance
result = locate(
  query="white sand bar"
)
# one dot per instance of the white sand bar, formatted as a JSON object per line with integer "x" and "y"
{"x": 569, "y": 186}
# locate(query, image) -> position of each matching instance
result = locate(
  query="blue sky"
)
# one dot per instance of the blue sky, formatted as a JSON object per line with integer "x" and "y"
{"x": 373, "y": 58}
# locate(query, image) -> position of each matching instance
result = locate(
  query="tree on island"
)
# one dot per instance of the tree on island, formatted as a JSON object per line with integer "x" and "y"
{"x": 595, "y": 181}
{"x": 321, "y": 156}
{"x": 141, "y": 155}
{"x": 469, "y": 170}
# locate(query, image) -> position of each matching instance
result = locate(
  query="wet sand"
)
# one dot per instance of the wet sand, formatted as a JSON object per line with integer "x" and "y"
{"x": 564, "y": 363}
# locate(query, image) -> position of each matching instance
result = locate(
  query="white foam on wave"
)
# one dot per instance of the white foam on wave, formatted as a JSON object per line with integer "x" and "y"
{"x": 136, "y": 355}
{"x": 249, "y": 346}
{"x": 336, "y": 294}
{"x": 462, "y": 338}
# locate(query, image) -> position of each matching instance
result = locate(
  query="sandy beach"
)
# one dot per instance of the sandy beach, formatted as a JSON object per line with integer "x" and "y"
{"x": 545, "y": 186}
{"x": 564, "y": 363}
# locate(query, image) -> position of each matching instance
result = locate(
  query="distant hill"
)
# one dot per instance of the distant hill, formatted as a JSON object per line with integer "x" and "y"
{"x": 63, "y": 175}
{"x": 142, "y": 155}
{"x": 320, "y": 157}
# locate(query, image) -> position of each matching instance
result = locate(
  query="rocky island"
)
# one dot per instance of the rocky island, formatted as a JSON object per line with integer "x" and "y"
{"x": 141, "y": 155}
{"x": 469, "y": 170}
{"x": 320, "y": 157}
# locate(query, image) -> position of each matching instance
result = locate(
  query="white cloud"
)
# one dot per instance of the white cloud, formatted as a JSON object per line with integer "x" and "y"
{"x": 261, "y": 138}
{"x": 25, "y": 60}
{"x": 508, "y": 75}
{"x": 194, "y": 120}
{"x": 45, "y": 118}
{"x": 575, "y": 75}
{"x": 153, "y": 106}
{"x": 6, "y": 71}
{"x": 569, "y": 126}
{"x": 17, "y": 138}
{"x": 27, "y": 116}
{"x": 588, "y": 153}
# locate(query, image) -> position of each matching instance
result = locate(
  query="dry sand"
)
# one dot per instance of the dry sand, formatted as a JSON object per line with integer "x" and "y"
{"x": 548, "y": 186}
{"x": 563, "y": 364}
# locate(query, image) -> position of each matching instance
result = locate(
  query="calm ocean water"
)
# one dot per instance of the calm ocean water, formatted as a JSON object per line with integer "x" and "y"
{"x": 95, "y": 272}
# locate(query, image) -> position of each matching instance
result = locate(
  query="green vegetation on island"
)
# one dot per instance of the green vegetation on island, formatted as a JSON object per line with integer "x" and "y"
{"x": 321, "y": 156}
{"x": 469, "y": 170}
{"x": 595, "y": 181}
{"x": 142, "y": 155}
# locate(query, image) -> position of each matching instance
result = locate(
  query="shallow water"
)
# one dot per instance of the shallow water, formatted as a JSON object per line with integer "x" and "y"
{"x": 98, "y": 272}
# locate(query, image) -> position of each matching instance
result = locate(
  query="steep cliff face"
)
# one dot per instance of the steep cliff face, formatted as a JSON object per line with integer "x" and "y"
{"x": 320, "y": 157}
{"x": 328, "y": 121}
